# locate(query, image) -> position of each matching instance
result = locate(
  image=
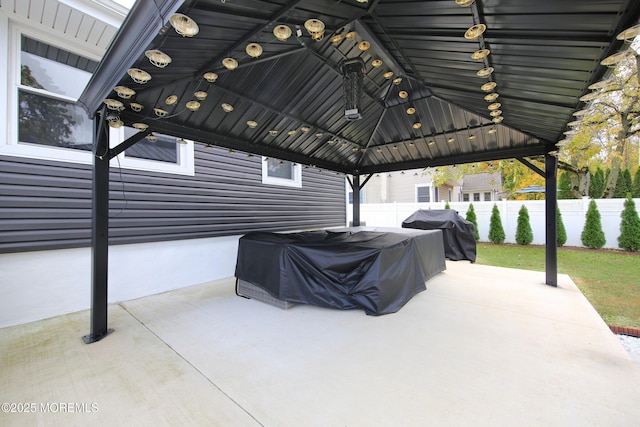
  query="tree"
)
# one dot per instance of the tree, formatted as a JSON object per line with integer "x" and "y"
{"x": 606, "y": 131}
{"x": 524, "y": 234}
{"x": 629, "y": 239}
{"x": 564, "y": 186}
{"x": 446, "y": 205}
{"x": 496, "y": 232}
{"x": 596, "y": 187}
{"x": 561, "y": 232}
{"x": 471, "y": 217}
{"x": 635, "y": 187}
{"x": 592, "y": 235}
{"x": 623, "y": 184}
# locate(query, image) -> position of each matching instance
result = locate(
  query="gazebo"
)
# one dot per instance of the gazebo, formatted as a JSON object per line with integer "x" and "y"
{"x": 355, "y": 87}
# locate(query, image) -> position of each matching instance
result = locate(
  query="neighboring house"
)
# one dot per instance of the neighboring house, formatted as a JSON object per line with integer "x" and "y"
{"x": 177, "y": 207}
{"x": 416, "y": 186}
{"x": 482, "y": 187}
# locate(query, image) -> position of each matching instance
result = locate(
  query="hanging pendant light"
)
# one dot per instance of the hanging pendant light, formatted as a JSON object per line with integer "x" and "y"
{"x": 485, "y": 72}
{"x": 193, "y": 105}
{"x": 314, "y": 26}
{"x": 491, "y": 97}
{"x": 282, "y": 32}
{"x": 254, "y": 50}
{"x": 489, "y": 86}
{"x": 210, "y": 76}
{"x": 475, "y": 31}
{"x": 139, "y": 76}
{"x": 184, "y": 25}
{"x": 114, "y": 104}
{"x": 200, "y": 95}
{"x": 364, "y": 45}
{"x": 230, "y": 63}
{"x": 124, "y": 92}
{"x": 160, "y": 112}
{"x": 158, "y": 58}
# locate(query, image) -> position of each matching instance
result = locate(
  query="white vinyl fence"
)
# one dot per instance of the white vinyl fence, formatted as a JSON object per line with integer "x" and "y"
{"x": 573, "y": 216}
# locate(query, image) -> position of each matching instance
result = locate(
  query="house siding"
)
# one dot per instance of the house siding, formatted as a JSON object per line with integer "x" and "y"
{"x": 47, "y": 204}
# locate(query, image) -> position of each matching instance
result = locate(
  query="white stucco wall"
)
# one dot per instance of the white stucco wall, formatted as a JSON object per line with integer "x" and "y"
{"x": 38, "y": 285}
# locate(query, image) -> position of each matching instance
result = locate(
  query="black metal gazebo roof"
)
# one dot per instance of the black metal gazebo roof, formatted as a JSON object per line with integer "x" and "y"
{"x": 544, "y": 54}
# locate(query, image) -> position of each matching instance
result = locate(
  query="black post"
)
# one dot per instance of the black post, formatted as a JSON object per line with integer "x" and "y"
{"x": 356, "y": 200}
{"x": 551, "y": 205}
{"x": 99, "y": 232}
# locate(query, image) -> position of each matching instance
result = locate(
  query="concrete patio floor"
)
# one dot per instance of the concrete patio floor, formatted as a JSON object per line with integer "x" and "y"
{"x": 481, "y": 346}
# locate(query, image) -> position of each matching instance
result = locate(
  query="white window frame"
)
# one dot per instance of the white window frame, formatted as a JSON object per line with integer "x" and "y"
{"x": 296, "y": 181}
{"x": 422, "y": 186}
{"x": 10, "y": 146}
{"x": 185, "y": 165}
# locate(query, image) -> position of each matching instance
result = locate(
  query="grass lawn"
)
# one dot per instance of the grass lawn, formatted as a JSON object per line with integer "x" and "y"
{"x": 609, "y": 279}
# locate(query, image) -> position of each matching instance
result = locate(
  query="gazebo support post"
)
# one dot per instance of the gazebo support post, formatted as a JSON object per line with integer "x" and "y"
{"x": 550, "y": 206}
{"x": 356, "y": 200}
{"x": 99, "y": 232}
{"x": 356, "y": 187}
{"x": 551, "y": 232}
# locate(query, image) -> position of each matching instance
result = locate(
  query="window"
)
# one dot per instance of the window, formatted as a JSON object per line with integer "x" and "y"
{"x": 465, "y": 197}
{"x": 436, "y": 194}
{"x": 487, "y": 197}
{"x": 165, "y": 154}
{"x": 476, "y": 197}
{"x": 46, "y": 81}
{"x": 423, "y": 193}
{"x": 281, "y": 172}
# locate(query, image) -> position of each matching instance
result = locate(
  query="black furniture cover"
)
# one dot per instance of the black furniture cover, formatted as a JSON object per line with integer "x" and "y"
{"x": 377, "y": 271}
{"x": 458, "y": 233}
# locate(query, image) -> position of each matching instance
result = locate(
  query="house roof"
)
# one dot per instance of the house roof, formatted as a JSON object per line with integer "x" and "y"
{"x": 482, "y": 181}
{"x": 90, "y": 25}
{"x": 543, "y": 54}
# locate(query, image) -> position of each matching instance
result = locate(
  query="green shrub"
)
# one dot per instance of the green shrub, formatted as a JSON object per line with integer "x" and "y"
{"x": 597, "y": 184}
{"x": 471, "y": 217}
{"x": 446, "y": 205}
{"x": 496, "y": 232}
{"x": 561, "y": 236}
{"x": 623, "y": 184}
{"x": 524, "y": 234}
{"x": 629, "y": 239}
{"x": 592, "y": 235}
{"x": 564, "y": 186}
{"x": 635, "y": 186}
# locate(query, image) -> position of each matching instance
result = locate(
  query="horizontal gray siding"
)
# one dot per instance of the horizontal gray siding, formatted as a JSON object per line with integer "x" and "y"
{"x": 47, "y": 205}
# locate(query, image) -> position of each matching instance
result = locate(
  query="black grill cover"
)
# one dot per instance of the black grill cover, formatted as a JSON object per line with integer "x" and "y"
{"x": 457, "y": 232}
{"x": 376, "y": 271}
